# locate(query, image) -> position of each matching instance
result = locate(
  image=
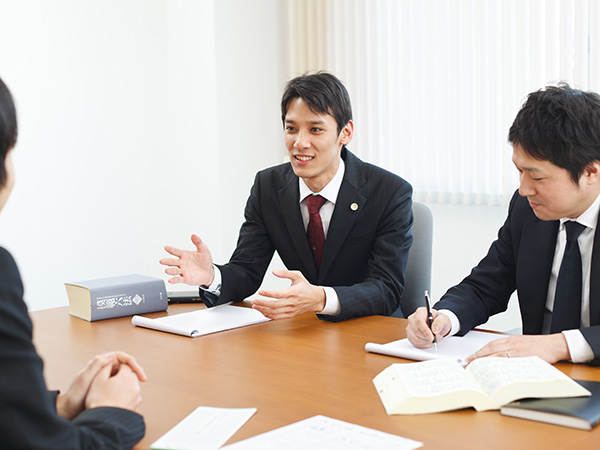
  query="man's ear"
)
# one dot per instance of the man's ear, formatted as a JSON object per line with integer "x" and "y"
{"x": 591, "y": 173}
{"x": 347, "y": 133}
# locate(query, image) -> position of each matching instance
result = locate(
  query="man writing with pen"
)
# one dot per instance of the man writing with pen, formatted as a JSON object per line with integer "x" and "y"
{"x": 430, "y": 317}
{"x": 548, "y": 248}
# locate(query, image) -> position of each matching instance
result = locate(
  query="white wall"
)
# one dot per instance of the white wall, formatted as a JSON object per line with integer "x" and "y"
{"x": 120, "y": 125}
{"x": 462, "y": 236}
{"x": 250, "y": 81}
{"x": 142, "y": 122}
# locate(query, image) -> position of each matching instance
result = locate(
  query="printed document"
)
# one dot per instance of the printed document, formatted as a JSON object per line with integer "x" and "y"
{"x": 204, "y": 429}
{"x": 324, "y": 433}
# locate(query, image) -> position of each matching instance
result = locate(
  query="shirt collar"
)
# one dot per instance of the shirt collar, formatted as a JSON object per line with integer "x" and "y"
{"x": 330, "y": 191}
{"x": 589, "y": 217}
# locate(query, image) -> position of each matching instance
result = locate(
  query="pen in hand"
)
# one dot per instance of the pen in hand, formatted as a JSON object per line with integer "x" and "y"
{"x": 430, "y": 317}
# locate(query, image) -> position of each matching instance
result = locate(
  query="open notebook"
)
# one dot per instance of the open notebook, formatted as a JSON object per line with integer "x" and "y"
{"x": 203, "y": 321}
{"x": 456, "y": 348}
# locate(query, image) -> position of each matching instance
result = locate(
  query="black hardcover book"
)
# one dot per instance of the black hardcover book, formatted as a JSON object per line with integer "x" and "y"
{"x": 575, "y": 412}
{"x": 192, "y": 296}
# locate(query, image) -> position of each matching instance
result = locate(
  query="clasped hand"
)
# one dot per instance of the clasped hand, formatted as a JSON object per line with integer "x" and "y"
{"x": 110, "y": 379}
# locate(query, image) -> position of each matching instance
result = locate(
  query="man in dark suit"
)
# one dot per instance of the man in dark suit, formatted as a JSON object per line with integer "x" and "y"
{"x": 98, "y": 409}
{"x": 365, "y": 220}
{"x": 548, "y": 249}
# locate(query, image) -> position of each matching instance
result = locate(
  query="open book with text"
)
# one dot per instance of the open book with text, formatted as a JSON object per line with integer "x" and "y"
{"x": 486, "y": 383}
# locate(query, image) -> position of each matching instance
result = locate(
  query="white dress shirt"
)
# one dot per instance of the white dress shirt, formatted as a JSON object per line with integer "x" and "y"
{"x": 580, "y": 350}
{"x": 330, "y": 193}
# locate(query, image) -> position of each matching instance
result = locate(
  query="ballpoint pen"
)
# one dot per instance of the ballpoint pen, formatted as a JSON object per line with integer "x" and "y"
{"x": 430, "y": 317}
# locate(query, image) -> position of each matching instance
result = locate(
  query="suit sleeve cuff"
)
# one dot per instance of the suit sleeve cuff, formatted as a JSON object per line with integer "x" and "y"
{"x": 332, "y": 302}
{"x": 579, "y": 349}
{"x": 53, "y": 397}
{"x": 215, "y": 286}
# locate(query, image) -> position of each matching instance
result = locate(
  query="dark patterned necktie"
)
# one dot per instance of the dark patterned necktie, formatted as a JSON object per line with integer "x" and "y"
{"x": 566, "y": 314}
{"x": 316, "y": 236}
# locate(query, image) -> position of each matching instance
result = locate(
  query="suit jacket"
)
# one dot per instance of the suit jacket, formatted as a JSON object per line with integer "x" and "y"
{"x": 521, "y": 258}
{"x": 29, "y": 418}
{"x": 365, "y": 252}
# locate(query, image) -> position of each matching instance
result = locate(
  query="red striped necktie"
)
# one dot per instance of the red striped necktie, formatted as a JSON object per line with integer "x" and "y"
{"x": 316, "y": 236}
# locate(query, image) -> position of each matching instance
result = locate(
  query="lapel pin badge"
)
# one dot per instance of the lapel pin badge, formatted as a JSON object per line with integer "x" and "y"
{"x": 354, "y": 206}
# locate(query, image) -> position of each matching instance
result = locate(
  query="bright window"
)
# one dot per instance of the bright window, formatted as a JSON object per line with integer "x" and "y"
{"x": 436, "y": 84}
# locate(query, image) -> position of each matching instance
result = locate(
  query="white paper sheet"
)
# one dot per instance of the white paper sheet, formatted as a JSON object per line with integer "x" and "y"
{"x": 324, "y": 433}
{"x": 455, "y": 347}
{"x": 204, "y": 429}
{"x": 203, "y": 321}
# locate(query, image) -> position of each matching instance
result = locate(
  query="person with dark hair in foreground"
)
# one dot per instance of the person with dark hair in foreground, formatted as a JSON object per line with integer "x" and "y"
{"x": 341, "y": 227}
{"x": 548, "y": 249}
{"x": 98, "y": 409}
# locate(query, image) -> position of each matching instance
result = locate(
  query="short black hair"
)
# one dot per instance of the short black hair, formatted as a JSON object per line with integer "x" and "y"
{"x": 8, "y": 127}
{"x": 561, "y": 125}
{"x": 323, "y": 93}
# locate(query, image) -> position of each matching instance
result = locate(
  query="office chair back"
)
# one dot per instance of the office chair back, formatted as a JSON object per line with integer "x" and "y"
{"x": 418, "y": 270}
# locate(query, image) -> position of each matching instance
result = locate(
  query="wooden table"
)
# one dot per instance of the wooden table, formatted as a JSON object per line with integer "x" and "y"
{"x": 290, "y": 370}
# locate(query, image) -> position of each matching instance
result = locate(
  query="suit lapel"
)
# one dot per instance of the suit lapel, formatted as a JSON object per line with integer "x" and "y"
{"x": 537, "y": 250}
{"x": 538, "y": 243}
{"x": 595, "y": 279}
{"x": 349, "y": 205}
{"x": 289, "y": 200}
